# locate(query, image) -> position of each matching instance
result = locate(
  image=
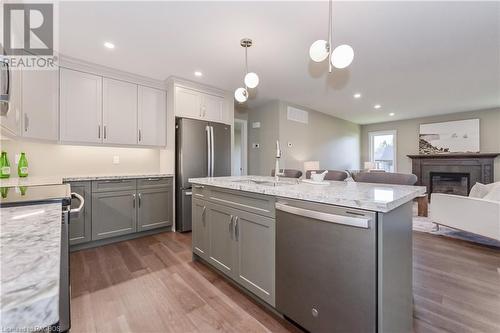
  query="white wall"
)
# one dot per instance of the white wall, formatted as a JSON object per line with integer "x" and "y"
{"x": 50, "y": 159}
{"x": 408, "y": 131}
{"x": 334, "y": 142}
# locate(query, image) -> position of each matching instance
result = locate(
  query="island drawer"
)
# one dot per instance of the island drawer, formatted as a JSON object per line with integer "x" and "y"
{"x": 114, "y": 185}
{"x": 251, "y": 202}
{"x": 200, "y": 191}
{"x": 154, "y": 182}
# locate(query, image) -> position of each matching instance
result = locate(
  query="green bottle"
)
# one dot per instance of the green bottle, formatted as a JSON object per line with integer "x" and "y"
{"x": 4, "y": 166}
{"x": 22, "y": 168}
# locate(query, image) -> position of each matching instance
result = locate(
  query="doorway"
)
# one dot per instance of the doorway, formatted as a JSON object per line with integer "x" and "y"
{"x": 240, "y": 147}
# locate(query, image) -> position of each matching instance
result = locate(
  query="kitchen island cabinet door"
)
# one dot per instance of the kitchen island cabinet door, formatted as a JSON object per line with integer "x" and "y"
{"x": 255, "y": 262}
{"x": 200, "y": 228}
{"x": 113, "y": 214}
{"x": 80, "y": 225}
{"x": 154, "y": 208}
{"x": 221, "y": 249}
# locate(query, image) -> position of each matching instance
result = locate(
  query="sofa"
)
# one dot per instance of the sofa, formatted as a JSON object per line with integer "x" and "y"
{"x": 479, "y": 213}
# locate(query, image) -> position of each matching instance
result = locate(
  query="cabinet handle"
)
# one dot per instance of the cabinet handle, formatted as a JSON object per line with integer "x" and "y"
{"x": 236, "y": 228}
{"x": 133, "y": 200}
{"x": 203, "y": 215}
{"x": 26, "y": 122}
{"x": 153, "y": 179}
{"x": 140, "y": 200}
{"x": 231, "y": 225}
{"x": 140, "y": 136}
{"x": 199, "y": 187}
{"x": 105, "y": 131}
{"x": 98, "y": 131}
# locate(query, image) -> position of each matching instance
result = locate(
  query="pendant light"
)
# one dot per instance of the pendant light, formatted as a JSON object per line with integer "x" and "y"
{"x": 340, "y": 57}
{"x": 251, "y": 79}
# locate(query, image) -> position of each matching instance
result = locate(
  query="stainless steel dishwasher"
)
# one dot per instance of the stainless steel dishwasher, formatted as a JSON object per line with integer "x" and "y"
{"x": 326, "y": 266}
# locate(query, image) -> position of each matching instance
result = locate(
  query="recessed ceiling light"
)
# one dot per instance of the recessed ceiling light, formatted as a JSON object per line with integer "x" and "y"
{"x": 198, "y": 73}
{"x": 109, "y": 45}
{"x": 357, "y": 95}
{"x": 391, "y": 114}
{"x": 377, "y": 106}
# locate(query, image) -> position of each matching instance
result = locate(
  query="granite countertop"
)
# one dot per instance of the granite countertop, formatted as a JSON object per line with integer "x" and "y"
{"x": 30, "y": 261}
{"x": 375, "y": 197}
{"x": 35, "y": 181}
{"x": 116, "y": 176}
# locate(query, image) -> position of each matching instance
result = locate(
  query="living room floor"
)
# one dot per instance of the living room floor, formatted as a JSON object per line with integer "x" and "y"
{"x": 151, "y": 284}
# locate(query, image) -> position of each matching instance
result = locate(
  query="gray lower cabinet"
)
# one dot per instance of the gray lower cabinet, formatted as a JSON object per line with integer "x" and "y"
{"x": 113, "y": 214}
{"x": 200, "y": 228}
{"x": 221, "y": 249}
{"x": 154, "y": 208}
{"x": 240, "y": 244}
{"x": 255, "y": 250}
{"x": 80, "y": 225}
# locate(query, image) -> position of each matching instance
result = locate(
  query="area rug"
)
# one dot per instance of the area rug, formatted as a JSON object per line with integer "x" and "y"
{"x": 424, "y": 224}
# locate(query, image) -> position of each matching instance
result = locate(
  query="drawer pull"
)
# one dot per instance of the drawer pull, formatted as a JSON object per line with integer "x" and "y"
{"x": 153, "y": 179}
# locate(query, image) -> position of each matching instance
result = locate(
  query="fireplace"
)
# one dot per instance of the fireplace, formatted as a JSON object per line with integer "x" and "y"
{"x": 453, "y": 173}
{"x": 450, "y": 183}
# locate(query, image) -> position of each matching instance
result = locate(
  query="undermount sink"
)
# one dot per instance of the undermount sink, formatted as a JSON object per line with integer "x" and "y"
{"x": 264, "y": 182}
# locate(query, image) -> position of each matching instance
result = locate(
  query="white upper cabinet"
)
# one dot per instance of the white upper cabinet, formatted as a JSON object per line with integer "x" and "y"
{"x": 198, "y": 104}
{"x": 213, "y": 108}
{"x": 81, "y": 107}
{"x": 11, "y": 121}
{"x": 40, "y": 105}
{"x": 151, "y": 117}
{"x": 187, "y": 103}
{"x": 119, "y": 112}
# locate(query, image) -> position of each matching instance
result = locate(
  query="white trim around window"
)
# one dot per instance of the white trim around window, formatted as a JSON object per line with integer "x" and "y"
{"x": 387, "y": 132}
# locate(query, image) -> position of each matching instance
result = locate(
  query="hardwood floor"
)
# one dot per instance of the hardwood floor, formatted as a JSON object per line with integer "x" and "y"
{"x": 152, "y": 285}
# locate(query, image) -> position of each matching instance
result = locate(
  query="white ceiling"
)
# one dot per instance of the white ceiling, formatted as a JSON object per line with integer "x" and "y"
{"x": 413, "y": 58}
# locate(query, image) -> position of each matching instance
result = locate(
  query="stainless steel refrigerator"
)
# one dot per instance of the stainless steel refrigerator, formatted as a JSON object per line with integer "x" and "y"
{"x": 202, "y": 149}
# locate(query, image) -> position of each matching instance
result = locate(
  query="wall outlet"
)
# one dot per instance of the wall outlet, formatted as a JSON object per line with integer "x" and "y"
{"x": 116, "y": 159}
{"x": 256, "y": 145}
{"x": 256, "y": 124}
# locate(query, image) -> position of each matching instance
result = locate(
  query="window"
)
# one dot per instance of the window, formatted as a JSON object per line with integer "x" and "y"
{"x": 383, "y": 150}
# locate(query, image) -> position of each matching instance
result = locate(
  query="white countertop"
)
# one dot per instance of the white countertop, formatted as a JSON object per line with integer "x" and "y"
{"x": 30, "y": 259}
{"x": 375, "y": 197}
{"x": 35, "y": 181}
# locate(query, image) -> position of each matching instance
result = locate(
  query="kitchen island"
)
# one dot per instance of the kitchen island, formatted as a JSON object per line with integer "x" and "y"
{"x": 30, "y": 261}
{"x": 332, "y": 258}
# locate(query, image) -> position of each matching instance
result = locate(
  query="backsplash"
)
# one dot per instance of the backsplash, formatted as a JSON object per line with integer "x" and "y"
{"x": 50, "y": 159}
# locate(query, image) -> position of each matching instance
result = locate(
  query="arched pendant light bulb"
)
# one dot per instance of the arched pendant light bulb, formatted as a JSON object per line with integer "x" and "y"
{"x": 342, "y": 56}
{"x": 319, "y": 50}
{"x": 241, "y": 95}
{"x": 251, "y": 80}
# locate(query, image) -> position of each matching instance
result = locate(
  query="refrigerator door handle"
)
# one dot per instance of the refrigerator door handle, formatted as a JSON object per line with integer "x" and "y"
{"x": 209, "y": 153}
{"x": 212, "y": 150}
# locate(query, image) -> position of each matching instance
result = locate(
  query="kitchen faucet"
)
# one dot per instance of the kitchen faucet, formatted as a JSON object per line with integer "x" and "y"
{"x": 277, "y": 172}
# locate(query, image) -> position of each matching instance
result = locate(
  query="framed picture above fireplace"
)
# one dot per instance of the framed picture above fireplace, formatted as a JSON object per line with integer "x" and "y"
{"x": 461, "y": 136}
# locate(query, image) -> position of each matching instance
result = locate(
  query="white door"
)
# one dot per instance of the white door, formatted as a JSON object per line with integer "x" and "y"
{"x": 40, "y": 106}
{"x": 11, "y": 122}
{"x": 152, "y": 117}
{"x": 213, "y": 108}
{"x": 81, "y": 106}
{"x": 187, "y": 103}
{"x": 119, "y": 112}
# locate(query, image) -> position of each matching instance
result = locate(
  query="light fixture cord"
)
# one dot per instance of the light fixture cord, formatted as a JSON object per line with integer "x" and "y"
{"x": 246, "y": 62}
{"x": 330, "y": 28}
